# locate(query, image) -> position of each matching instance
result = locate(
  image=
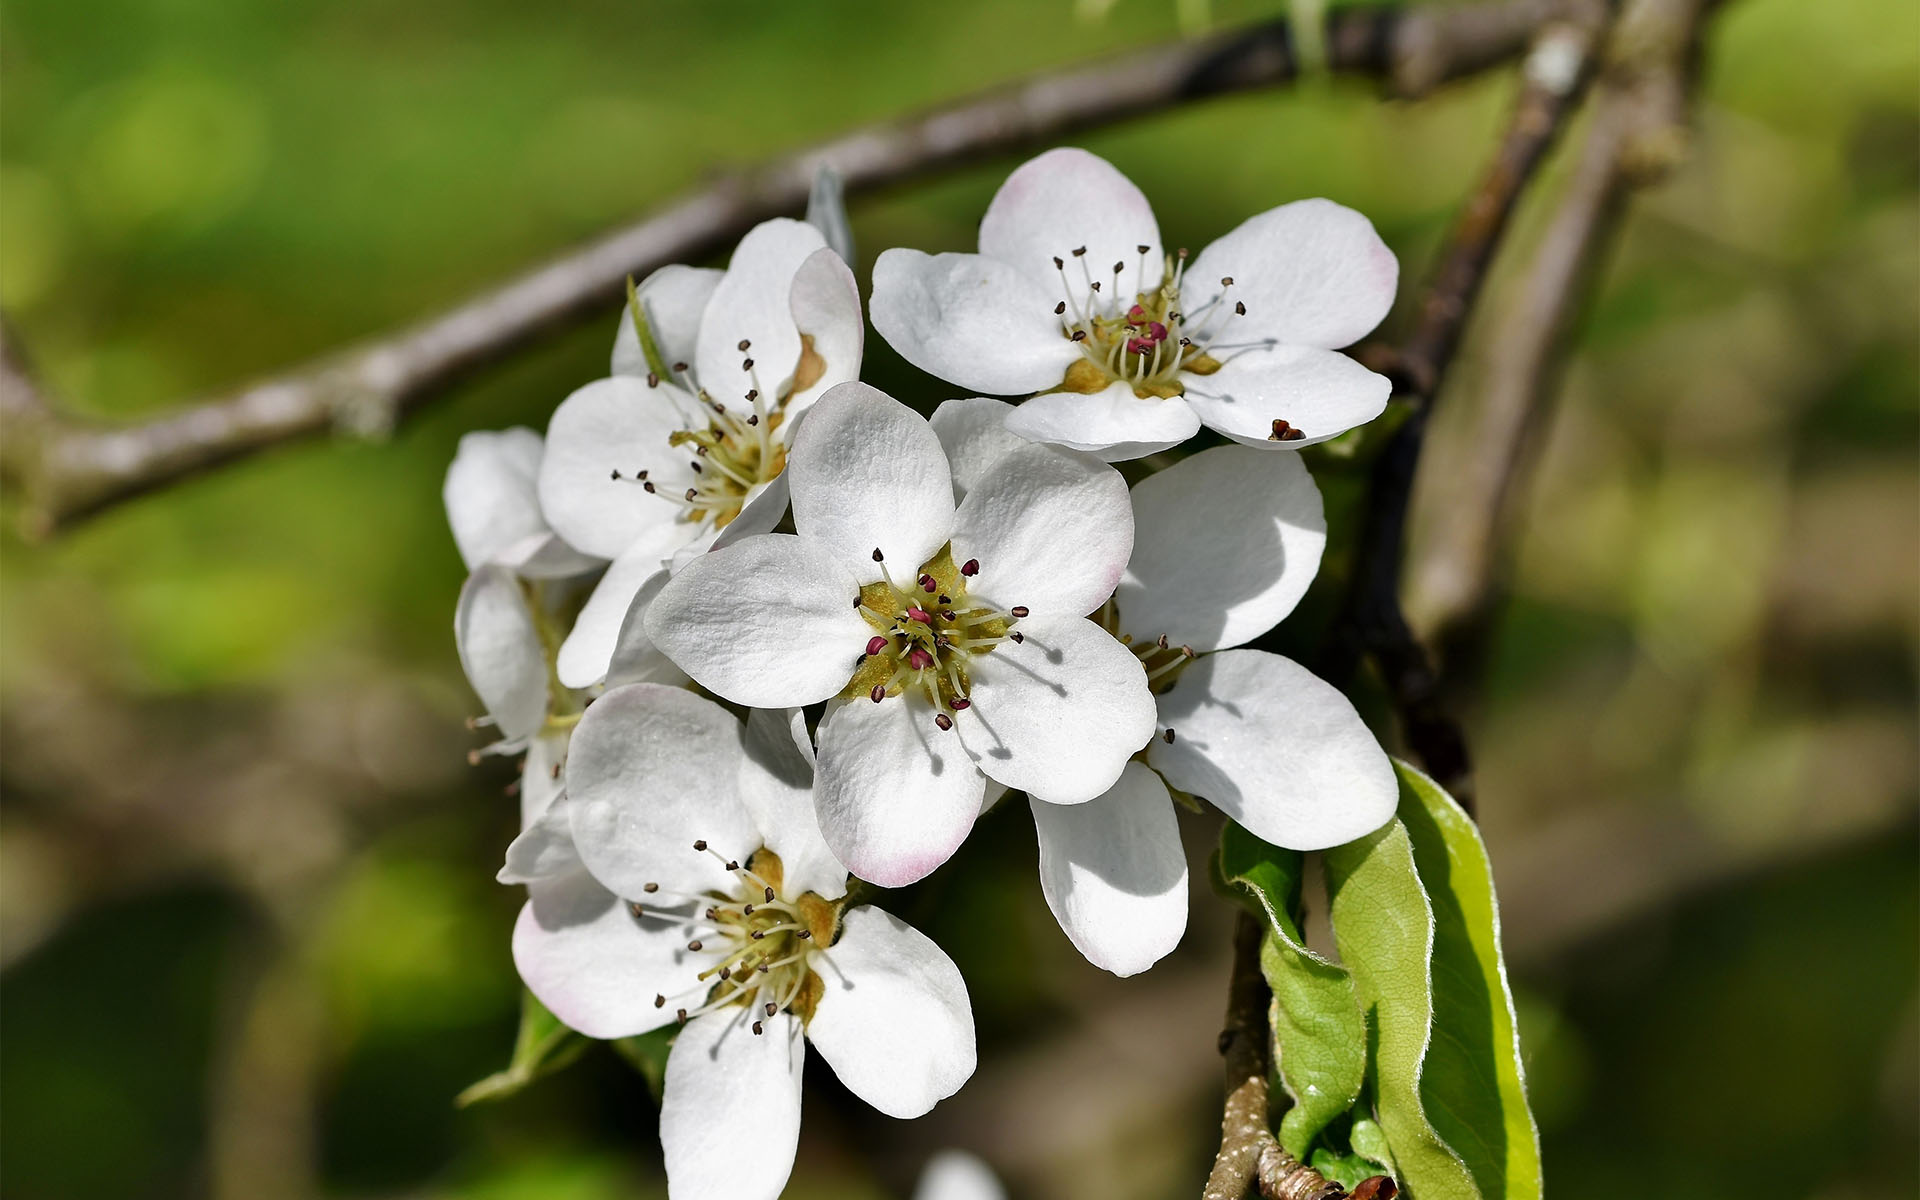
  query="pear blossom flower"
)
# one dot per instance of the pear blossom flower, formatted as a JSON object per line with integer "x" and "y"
{"x": 950, "y": 642}
{"x": 1131, "y": 350}
{"x": 493, "y": 507}
{"x": 1225, "y": 544}
{"x": 683, "y": 445}
{"x": 696, "y": 891}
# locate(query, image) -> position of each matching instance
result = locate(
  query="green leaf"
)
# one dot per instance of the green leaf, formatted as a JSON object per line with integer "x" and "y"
{"x": 542, "y": 1047}
{"x": 1319, "y": 1037}
{"x": 1473, "y": 1085}
{"x": 647, "y": 1054}
{"x": 1383, "y": 926}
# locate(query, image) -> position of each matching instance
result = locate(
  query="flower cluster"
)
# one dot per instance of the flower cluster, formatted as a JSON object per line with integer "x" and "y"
{"x": 761, "y": 630}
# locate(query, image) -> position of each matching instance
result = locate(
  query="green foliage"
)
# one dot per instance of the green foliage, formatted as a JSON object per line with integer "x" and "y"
{"x": 1404, "y": 1056}
{"x": 1319, "y": 1039}
{"x": 1474, "y": 1058}
{"x": 542, "y": 1047}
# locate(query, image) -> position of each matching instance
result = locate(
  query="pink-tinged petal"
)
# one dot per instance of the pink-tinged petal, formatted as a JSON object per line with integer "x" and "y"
{"x": 1051, "y": 530}
{"x": 1276, "y": 748}
{"x": 894, "y": 1021}
{"x": 768, "y": 622}
{"x": 1225, "y": 543}
{"x": 1067, "y": 200}
{"x": 868, "y": 473}
{"x": 584, "y": 955}
{"x": 617, "y": 425}
{"x": 825, "y": 301}
{"x": 971, "y": 320}
{"x": 1320, "y": 394}
{"x": 651, "y": 771}
{"x": 895, "y": 794}
{"x": 1311, "y": 273}
{"x": 673, "y": 299}
{"x": 753, "y": 302}
{"x": 1057, "y": 714}
{"x": 1114, "y": 424}
{"x": 730, "y": 1112}
{"x": 1114, "y": 873}
{"x": 500, "y": 651}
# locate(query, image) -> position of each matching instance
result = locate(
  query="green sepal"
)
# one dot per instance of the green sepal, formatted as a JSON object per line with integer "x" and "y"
{"x": 542, "y": 1047}
{"x": 1319, "y": 1037}
{"x": 656, "y": 362}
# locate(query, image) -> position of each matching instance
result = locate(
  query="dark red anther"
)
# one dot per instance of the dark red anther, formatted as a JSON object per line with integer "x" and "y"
{"x": 1157, "y": 331}
{"x": 1136, "y": 314}
{"x": 921, "y": 615}
{"x": 929, "y": 584}
{"x": 944, "y": 721}
{"x": 878, "y": 693}
{"x": 970, "y": 568}
{"x": 919, "y": 659}
{"x": 876, "y": 645}
{"x": 1018, "y": 610}
{"x": 960, "y": 703}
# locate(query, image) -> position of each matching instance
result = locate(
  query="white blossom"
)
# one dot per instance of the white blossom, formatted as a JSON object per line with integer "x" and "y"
{"x": 950, "y": 642}
{"x": 683, "y": 446}
{"x": 699, "y": 893}
{"x": 1131, "y": 350}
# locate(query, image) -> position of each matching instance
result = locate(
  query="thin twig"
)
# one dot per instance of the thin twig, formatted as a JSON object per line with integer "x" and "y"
{"x": 1371, "y": 622}
{"x": 1636, "y": 136}
{"x": 67, "y": 469}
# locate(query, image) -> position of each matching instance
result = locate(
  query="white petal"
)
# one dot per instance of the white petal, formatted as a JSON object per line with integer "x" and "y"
{"x": 1313, "y": 273}
{"x": 544, "y": 848}
{"x": 541, "y": 778}
{"x": 673, "y": 299}
{"x": 617, "y": 424}
{"x": 974, "y": 434}
{"x": 896, "y": 795}
{"x": 1224, "y": 545}
{"x": 652, "y": 770}
{"x": 766, "y": 505}
{"x": 768, "y": 622}
{"x": 586, "y": 654}
{"x": 776, "y": 785}
{"x": 500, "y": 651}
{"x": 894, "y": 1021}
{"x": 825, "y": 302}
{"x": 635, "y": 658}
{"x": 730, "y": 1113}
{"x": 753, "y": 302}
{"x": 1067, "y": 199}
{"x": 491, "y": 495}
{"x": 957, "y": 1175}
{"x": 1114, "y": 424}
{"x": 971, "y": 320}
{"x": 1058, "y": 714}
{"x": 584, "y": 955}
{"x": 867, "y": 473}
{"x": 1322, "y": 393}
{"x": 1114, "y": 873}
{"x": 1051, "y": 529}
{"x": 1276, "y": 748}
{"x": 546, "y": 556}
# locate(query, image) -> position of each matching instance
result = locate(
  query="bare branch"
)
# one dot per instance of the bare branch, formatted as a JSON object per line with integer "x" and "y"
{"x": 1637, "y": 134}
{"x": 67, "y": 469}
{"x": 1371, "y": 622}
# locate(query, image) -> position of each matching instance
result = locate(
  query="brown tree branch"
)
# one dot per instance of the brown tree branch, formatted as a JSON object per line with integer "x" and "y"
{"x": 1637, "y": 135}
{"x": 66, "y": 469}
{"x": 1371, "y": 623}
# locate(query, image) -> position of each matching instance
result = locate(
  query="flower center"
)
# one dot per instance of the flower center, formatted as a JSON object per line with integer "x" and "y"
{"x": 927, "y": 635}
{"x": 731, "y": 450}
{"x": 760, "y": 944}
{"x": 1145, "y": 340}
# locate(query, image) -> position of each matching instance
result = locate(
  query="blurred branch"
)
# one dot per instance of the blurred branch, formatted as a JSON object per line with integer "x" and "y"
{"x": 1371, "y": 621}
{"x": 67, "y": 469}
{"x": 1638, "y": 134}
{"x": 1250, "y": 1157}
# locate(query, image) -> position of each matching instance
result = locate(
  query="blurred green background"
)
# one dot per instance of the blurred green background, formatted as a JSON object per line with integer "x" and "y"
{"x": 251, "y": 942}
